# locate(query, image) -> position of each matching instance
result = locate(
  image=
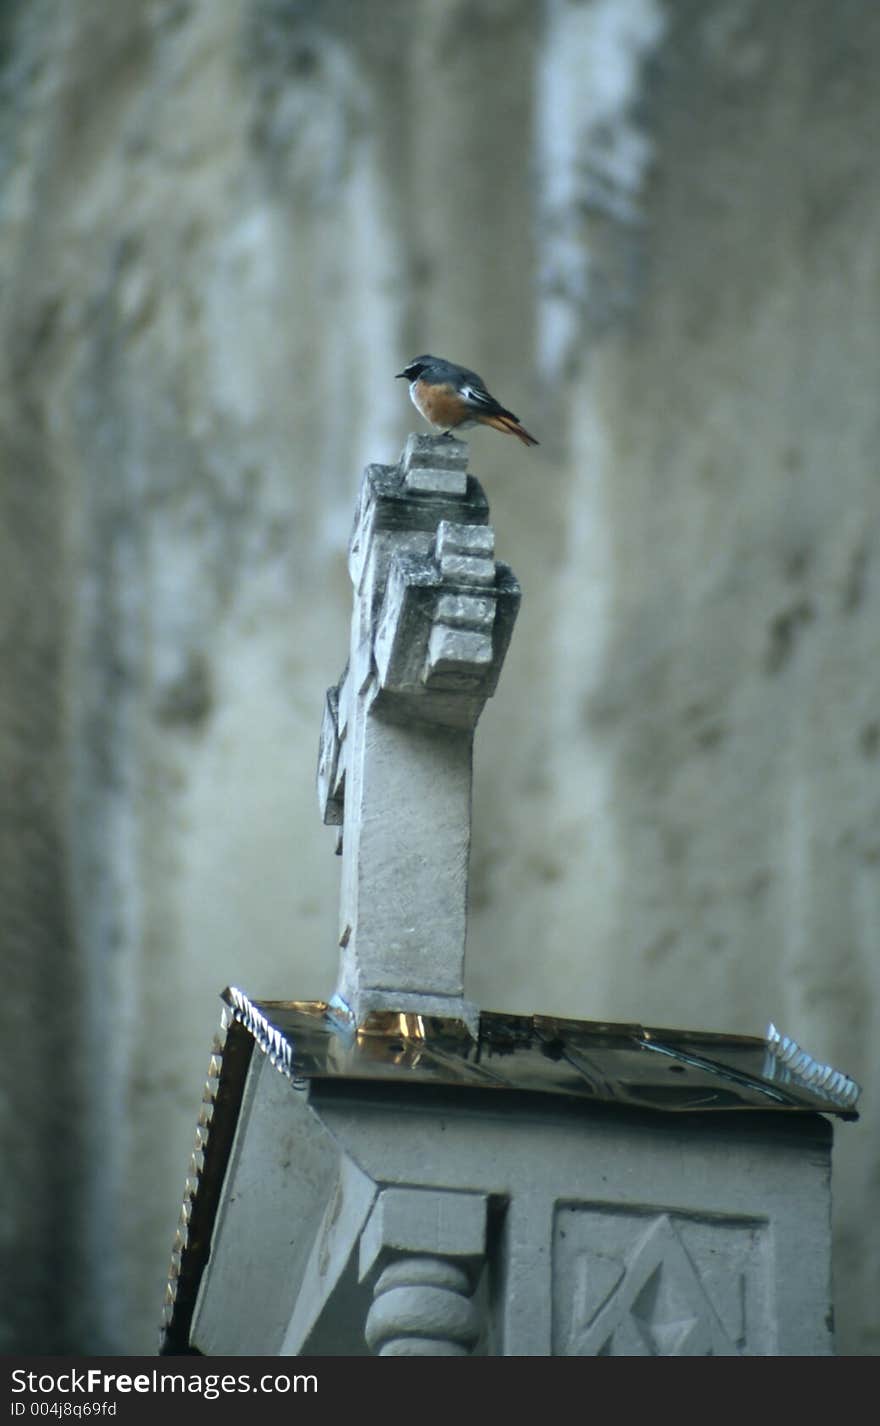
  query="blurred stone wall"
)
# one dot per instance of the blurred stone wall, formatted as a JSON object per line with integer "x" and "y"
{"x": 654, "y": 227}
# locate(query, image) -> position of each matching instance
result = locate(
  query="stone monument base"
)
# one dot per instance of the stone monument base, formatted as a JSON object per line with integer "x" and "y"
{"x": 398, "y": 1192}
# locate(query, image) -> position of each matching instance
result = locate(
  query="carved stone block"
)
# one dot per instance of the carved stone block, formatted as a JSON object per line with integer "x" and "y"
{"x": 410, "y": 1220}
{"x": 660, "y": 1283}
{"x": 435, "y": 466}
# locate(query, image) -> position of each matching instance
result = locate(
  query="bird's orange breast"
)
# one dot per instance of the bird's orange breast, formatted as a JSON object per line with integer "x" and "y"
{"x": 440, "y": 404}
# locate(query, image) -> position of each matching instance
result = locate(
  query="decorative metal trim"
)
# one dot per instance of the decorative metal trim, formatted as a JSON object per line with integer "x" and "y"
{"x": 218, "y": 1119}
{"x": 279, "y": 1048}
{"x": 788, "y": 1063}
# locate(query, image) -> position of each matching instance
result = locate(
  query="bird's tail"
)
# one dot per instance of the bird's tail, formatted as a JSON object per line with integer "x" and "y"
{"x": 511, "y": 426}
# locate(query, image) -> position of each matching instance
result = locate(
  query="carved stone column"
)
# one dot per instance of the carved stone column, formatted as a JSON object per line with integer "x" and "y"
{"x": 432, "y": 1244}
{"x": 433, "y": 615}
{"x": 422, "y": 1308}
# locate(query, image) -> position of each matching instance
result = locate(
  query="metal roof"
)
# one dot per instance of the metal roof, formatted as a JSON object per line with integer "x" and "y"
{"x": 671, "y": 1070}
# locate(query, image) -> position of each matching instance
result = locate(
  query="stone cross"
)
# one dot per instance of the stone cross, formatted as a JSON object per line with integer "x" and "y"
{"x": 432, "y": 619}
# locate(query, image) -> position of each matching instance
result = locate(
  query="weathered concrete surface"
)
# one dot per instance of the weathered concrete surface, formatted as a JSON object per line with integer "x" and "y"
{"x": 653, "y": 224}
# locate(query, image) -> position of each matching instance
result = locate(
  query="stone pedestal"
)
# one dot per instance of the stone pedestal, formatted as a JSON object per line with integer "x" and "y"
{"x": 548, "y": 1188}
{"x": 425, "y": 1220}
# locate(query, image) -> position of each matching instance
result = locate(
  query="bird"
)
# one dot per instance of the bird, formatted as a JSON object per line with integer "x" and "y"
{"x": 451, "y": 396}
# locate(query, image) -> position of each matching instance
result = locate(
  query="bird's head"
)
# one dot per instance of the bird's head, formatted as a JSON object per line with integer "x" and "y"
{"x": 413, "y": 370}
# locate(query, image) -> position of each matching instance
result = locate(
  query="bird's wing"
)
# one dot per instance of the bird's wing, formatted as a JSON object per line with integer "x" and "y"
{"x": 474, "y": 393}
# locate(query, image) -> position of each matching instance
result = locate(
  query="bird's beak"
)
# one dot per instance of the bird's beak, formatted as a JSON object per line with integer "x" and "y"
{"x": 399, "y": 374}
